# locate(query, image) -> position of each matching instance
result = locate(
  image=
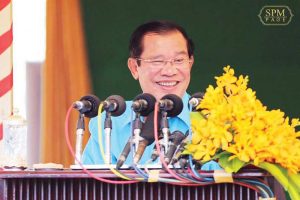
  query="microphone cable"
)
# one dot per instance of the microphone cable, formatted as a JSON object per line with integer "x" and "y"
{"x": 263, "y": 188}
{"x": 115, "y": 171}
{"x": 191, "y": 169}
{"x": 158, "y": 147}
{"x": 134, "y": 166}
{"x": 196, "y": 173}
{"x": 92, "y": 175}
{"x": 165, "y": 180}
{"x": 188, "y": 174}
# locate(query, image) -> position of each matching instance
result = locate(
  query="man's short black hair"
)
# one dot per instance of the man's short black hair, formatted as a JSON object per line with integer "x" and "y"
{"x": 160, "y": 27}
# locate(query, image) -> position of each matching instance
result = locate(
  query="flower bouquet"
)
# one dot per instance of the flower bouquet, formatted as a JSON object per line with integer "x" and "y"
{"x": 232, "y": 126}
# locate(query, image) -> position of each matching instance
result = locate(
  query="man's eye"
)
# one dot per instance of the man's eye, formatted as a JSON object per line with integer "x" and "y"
{"x": 179, "y": 60}
{"x": 157, "y": 62}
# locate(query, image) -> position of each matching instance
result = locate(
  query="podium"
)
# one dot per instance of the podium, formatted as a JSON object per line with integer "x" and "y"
{"x": 75, "y": 184}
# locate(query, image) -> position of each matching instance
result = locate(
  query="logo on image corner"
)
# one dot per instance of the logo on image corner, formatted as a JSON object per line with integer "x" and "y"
{"x": 275, "y": 15}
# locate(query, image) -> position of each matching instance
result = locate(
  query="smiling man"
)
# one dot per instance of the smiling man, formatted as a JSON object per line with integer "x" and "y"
{"x": 161, "y": 59}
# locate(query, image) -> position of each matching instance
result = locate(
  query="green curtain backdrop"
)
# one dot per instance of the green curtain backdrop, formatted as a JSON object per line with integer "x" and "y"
{"x": 224, "y": 32}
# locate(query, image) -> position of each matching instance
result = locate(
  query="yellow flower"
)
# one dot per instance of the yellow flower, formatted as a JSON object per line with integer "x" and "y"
{"x": 237, "y": 122}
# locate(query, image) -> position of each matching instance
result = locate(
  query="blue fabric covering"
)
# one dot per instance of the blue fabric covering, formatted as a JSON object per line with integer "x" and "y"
{"x": 211, "y": 165}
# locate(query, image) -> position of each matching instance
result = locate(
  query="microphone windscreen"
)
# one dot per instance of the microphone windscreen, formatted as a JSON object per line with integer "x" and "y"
{"x": 150, "y": 99}
{"x": 95, "y": 101}
{"x": 199, "y": 96}
{"x": 177, "y": 104}
{"x": 177, "y": 137}
{"x": 120, "y": 104}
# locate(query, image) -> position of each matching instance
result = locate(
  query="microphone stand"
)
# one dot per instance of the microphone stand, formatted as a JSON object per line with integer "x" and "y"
{"x": 165, "y": 130}
{"x": 107, "y": 132}
{"x": 137, "y": 126}
{"x": 79, "y": 136}
{"x": 132, "y": 141}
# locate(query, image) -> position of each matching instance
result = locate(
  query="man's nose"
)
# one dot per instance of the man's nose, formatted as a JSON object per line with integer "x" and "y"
{"x": 169, "y": 68}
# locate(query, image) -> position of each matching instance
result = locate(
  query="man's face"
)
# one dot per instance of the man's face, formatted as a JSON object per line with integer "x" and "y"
{"x": 156, "y": 77}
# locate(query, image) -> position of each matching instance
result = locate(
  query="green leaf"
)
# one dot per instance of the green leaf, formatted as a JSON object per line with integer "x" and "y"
{"x": 233, "y": 165}
{"x": 295, "y": 179}
{"x": 186, "y": 152}
{"x": 223, "y": 153}
{"x": 288, "y": 181}
{"x": 196, "y": 116}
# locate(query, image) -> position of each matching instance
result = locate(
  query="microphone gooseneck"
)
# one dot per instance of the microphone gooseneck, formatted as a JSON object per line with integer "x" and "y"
{"x": 170, "y": 105}
{"x": 88, "y": 107}
{"x": 122, "y": 158}
{"x": 114, "y": 106}
{"x": 147, "y": 137}
{"x": 180, "y": 149}
{"x": 175, "y": 140}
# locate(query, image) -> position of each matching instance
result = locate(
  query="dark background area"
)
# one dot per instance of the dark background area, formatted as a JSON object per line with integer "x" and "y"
{"x": 224, "y": 33}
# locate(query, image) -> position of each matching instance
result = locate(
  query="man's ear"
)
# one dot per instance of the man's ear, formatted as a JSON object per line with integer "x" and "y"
{"x": 191, "y": 61}
{"x": 132, "y": 65}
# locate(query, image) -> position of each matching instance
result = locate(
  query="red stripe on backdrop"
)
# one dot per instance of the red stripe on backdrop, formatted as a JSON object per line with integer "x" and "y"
{"x": 6, "y": 40}
{"x": 6, "y": 84}
{"x": 1, "y": 131}
{"x": 4, "y": 3}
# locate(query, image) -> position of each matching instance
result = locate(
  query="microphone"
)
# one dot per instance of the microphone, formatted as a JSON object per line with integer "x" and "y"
{"x": 115, "y": 105}
{"x": 178, "y": 155}
{"x": 143, "y": 104}
{"x": 147, "y": 137}
{"x": 140, "y": 150}
{"x": 124, "y": 154}
{"x": 88, "y": 105}
{"x": 195, "y": 100}
{"x": 155, "y": 154}
{"x": 172, "y": 104}
{"x": 175, "y": 139}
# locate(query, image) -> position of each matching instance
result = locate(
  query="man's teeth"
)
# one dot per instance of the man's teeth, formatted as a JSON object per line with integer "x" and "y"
{"x": 167, "y": 83}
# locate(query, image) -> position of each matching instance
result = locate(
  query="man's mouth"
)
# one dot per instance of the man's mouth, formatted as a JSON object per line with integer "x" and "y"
{"x": 168, "y": 84}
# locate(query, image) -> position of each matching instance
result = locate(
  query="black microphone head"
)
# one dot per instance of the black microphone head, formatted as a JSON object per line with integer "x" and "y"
{"x": 120, "y": 103}
{"x": 177, "y": 104}
{"x": 95, "y": 101}
{"x": 177, "y": 137}
{"x": 150, "y": 99}
{"x": 195, "y": 100}
{"x": 198, "y": 95}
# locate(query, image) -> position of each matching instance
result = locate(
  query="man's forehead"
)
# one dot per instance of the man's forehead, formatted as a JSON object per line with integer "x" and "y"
{"x": 155, "y": 38}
